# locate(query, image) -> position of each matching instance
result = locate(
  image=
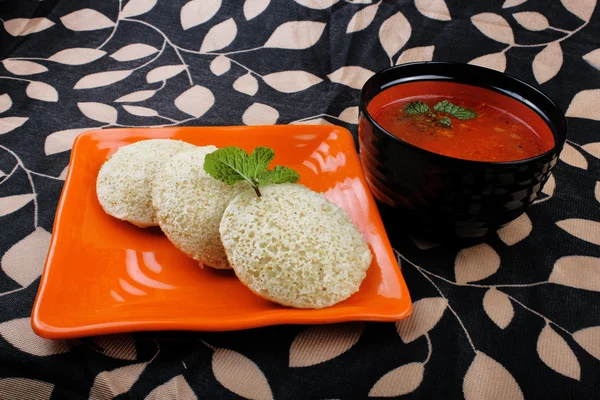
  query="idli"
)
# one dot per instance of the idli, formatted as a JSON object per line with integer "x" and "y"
{"x": 189, "y": 206}
{"x": 294, "y": 247}
{"x": 124, "y": 183}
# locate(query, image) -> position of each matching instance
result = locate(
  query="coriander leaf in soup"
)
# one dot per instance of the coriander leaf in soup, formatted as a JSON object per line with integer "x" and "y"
{"x": 454, "y": 110}
{"x": 278, "y": 175}
{"x": 416, "y": 107}
{"x": 445, "y": 122}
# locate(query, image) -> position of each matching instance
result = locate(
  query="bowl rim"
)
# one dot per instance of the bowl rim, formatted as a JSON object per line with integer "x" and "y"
{"x": 556, "y": 148}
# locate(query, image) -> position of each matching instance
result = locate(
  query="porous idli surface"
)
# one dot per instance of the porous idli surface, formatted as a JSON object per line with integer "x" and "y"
{"x": 124, "y": 183}
{"x": 294, "y": 247}
{"x": 189, "y": 206}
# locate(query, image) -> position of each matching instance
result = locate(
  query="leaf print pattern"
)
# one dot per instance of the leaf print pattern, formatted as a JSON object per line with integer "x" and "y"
{"x": 72, "y": 67}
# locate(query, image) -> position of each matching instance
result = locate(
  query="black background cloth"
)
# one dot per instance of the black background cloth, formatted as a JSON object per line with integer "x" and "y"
{"x": 515, "y": 317}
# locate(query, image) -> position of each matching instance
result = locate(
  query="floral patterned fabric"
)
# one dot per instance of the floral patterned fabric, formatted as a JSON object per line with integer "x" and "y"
{"x": 517, "y": 317}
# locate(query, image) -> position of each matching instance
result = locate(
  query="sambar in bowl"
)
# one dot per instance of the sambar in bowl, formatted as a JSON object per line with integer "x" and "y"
{"x": 455, "y": 150}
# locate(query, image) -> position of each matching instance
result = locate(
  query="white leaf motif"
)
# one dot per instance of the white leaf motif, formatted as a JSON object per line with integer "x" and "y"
{"x": 163, "y": 73}
{"x": 60, "y": 141}
{"x": 86, "y": 19}
{"x": 296, "y": 35}
{"x": 24, "y": 261}
{"x": 583, "y": 105}
{"x": 424, "y": 53}
{"x": 362, "y": 18}
{"x": 8, "y": 124}
{"x": 220, "y": 65}
{"x": 100, "y": 79}
{"x": 589, "y": 339}
{"x": 77, "y": 56}
{"x": 63, "y": 174}
{"x": 516, "y": 231}
{"x": 498, "y": 307}
{"x": 434, "y": 9}
{"x": 253, "y": 8}
{"x": 399, "y": 381}
{"x": 549, "y": 186}
{"x": 394, "y": 33}
{"x": 10, "y": 204}
{"x": 579, "y": 272}
{"x": 313, "y": 121}
{"x": 117, "y": 346}
{"x": 141, "y": 111}
{"x": 195, "y": 101}
{"x": 234, "y": 371}
{"x": 593, "y": 58}
{"x": 353, "y": 76}
{"x": 5, "y": 102}
{"x": 260, "y": 114}
{"x": 349, "y": 115}
{"x": 318, "y": 344}
{"x": 556, "y": 354}
{"x": 134, "y": 97}
{"x": 547, "y": 63}
{"x": 487, "y": 379}
{"x": 197, "y": 12}
{"x": 495, "y": 61}
{"x": 476, "y": 263}
{"x": 573, "y": 157}
{"x": 133, "y": 52}
{"x": 110, "y": 384}
{"x": 582, "y": 8}
{"x": 175, "y": 388}
{"x": 18, "y": 333}
{"x": 532, "y": 21}
{"x": 41, "y": 91}
{"x": 426, "y": 314}
{"x": 246, "y": 84}
{"x": 317, "y": 4}
{"x": 20, "y": 67}
{"x": 597, "y": 191}
{"x": 219, "y": 36}
{"x": 512, "y": 3}
{"x": 494, "y": 26}
{"x": 137, "y": 7}
{"x": 26, "y": 26}
{"x": 27, "y": 389}
{"x": 291, "y": 81}
{"x": 99, "y": 112}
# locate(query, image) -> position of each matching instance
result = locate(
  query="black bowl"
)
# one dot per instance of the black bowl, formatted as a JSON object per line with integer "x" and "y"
{"x": 437, "y": 196}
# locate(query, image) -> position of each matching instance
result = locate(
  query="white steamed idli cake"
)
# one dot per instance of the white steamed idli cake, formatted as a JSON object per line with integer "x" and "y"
{"x": 189, "y": 205}
{"x": 124, "y": 183}
{"x": 294, "y": 247}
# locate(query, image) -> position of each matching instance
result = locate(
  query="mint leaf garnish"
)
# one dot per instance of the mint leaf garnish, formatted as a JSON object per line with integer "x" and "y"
{"x": 232, "y": 164}
{"x": 445, "y": 122}
{"x": 454, "y": 110}
{"x": 416, "y": 107}
{"x": 278, "y": 175}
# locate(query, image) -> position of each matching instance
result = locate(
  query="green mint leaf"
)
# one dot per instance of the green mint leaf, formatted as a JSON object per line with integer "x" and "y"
{"x": 445, "y": 122}
{"x": 454, "y": 110}
{"x": 259, "y": 161}
{"x": 416, "y": 107}
{"x": 228, "y": 164}
{"x": 232, "y": 164}
{"x": 278, "y": 175}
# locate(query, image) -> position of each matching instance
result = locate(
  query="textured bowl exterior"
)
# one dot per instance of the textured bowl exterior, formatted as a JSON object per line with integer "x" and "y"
{"x": 440, "y": 196}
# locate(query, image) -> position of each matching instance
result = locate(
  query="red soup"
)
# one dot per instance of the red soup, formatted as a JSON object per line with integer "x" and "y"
{"x": 461, "y": 121}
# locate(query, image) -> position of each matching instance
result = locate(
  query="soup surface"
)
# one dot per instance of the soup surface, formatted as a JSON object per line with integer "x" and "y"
{"x": 462, "y": 123}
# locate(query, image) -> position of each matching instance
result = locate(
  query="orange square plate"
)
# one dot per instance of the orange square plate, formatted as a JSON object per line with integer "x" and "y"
{"x": 105, "y": 276}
